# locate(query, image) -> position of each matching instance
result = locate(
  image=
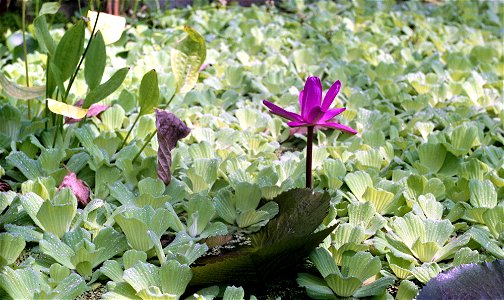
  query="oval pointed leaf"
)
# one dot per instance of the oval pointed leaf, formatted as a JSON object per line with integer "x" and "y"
{"x": 149, "y": 93}
{"x": 186, "y": 58}
{"x": 95, "y": 61}
{"x": 104, "y": 90}
{"x": 69, "y": 50}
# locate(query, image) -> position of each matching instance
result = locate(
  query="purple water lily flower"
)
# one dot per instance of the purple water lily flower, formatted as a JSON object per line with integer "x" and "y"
{"x": 314, "y": 111}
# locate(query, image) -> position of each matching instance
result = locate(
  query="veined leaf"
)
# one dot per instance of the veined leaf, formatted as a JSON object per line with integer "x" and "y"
{"x": 174, "y": 277}
{"x": 66, "y": 110}
{"x": 20, "y": 283}
{"x": 186, "y": 58}
{"x": 234, "y": 293}
{"x": 21, "y": 92}
{"x": 358, "y": 182}
{"x": 483, "y": 193}
{"x": 432, "y": 156}
{"x": 10, "y": 248}
{"x": 30, "y": 168}
{"x": 407, "y": 290}
{"x": 57, "y": 215}
{"x": 70, "y": 287}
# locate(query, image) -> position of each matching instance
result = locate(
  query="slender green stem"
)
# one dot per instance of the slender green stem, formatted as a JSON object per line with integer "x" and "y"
{"x": 169, "y": 101}
{"x": 59, "y": 121}
{"x": 47, "y": 90}
{"x": 37, "y": 5}
{"x": 129, "y": 132}
{"x": 25, "y": 52}
{"x": 309, "y": 155}
{"x": 144, "y": 145}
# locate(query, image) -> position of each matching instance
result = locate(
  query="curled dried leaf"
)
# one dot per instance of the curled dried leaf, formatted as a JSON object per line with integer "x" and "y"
{"x": 170, "y": 130}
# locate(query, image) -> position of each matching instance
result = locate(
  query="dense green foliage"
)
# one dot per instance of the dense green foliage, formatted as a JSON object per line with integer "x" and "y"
{"x": 419, "y": 190}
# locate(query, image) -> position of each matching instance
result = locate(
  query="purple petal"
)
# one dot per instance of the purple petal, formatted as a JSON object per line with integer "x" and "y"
{"x": 339, "y": 127}
{"x": 331, "y": 94}
{"x": 312, "y": 96}
{"x": 297, "y": 124}
{"x": 96, "y": 109}
{"x": 277, "y": 110}
{"x": 315, "y": 115}
{"x": 170, "y": 130}
{"x": 328, "y": 115}
{"x": 301, "y": 99}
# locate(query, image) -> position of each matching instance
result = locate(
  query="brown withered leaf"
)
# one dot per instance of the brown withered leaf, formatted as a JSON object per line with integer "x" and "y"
{"x": 77, "y": 186}
{"x": 170, "y": 130}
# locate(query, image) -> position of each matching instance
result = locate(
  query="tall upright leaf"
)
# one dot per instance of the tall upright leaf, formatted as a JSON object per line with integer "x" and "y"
{"x": 149, "y": 92}
{"x": 95, "y": 61}
{"x": 186, "y": 58}
{"x": 69, "y": 50}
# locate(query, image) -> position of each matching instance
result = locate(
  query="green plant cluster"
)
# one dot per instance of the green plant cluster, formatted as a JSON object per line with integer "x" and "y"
{"x": 418, "y": 191}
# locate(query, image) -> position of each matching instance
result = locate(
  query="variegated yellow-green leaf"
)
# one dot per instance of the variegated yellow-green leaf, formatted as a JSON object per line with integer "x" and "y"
{"x": 20, "y": 92}
{"x": 186, "y": 58}
{"x": 110, "y": 26}
{"x": 66, "y": 110}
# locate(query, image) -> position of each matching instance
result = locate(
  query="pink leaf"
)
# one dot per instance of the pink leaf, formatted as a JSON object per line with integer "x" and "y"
{"x": 78, "y": 187}
{"x": 170, "y": 130}
{"x": 94, "y": 110}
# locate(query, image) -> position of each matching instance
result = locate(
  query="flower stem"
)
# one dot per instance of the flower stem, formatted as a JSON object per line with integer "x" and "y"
{"x": 129, "y": 132}
{"x": 23, "y": 25}
{"x": 144, "y": 145}
{"x": 309, "y": 154}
